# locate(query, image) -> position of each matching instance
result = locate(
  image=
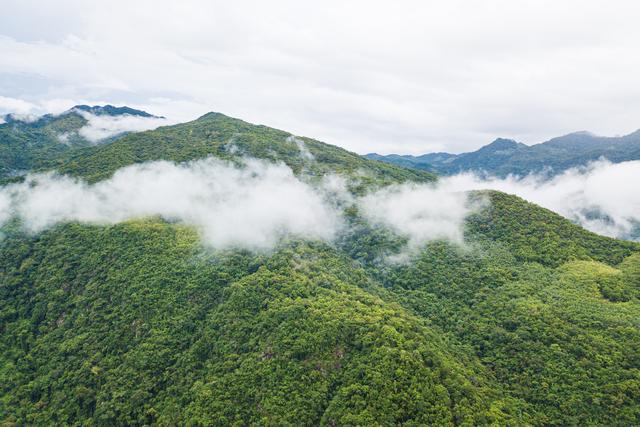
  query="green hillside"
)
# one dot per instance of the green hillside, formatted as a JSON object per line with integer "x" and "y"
{"x": 217, "y": 135}
{"x": 32, "y": 143}
{"x": 533, "y": 321}
{"x": 138, "y": 326}
{"x": 24, "y": 146}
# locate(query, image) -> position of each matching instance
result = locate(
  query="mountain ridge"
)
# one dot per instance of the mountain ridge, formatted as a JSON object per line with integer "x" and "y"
{"x": 513, "y": 158}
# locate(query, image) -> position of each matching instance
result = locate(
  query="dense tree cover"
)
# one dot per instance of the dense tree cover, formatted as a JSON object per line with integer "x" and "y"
{"x": 565, "y": 339}
{"x": 217, "y": 135}
{"x": 535, "y": 234}
{"x": 135, "y": 323}
{"x": 504, "y": 156}
{"x": 533, "y": 321}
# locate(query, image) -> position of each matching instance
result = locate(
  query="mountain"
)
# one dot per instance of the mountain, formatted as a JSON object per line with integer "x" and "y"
{"x": 27, "y": 142}
{"x": 532, "y": 321}
{"x": 215, "y": 134}
{"x": 504, "y": 157}
{"x": 110, "y": 110}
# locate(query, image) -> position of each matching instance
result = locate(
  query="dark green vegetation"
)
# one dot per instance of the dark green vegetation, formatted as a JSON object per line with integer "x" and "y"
{"x": 533, "y": 322}
{"x": 141, "y": 327}
{"x": 504, "y": 156}
{"x": 33, "y": 144}
{"x": 24, "y": 145}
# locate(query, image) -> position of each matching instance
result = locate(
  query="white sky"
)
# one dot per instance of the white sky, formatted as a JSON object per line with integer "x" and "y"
{"x": 396, "y": 76}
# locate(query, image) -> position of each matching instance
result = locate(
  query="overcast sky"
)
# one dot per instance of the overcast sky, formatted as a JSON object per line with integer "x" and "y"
{"x": 396, "y": 76}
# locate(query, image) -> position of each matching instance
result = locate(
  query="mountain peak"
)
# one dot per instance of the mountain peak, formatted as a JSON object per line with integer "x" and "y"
{"x": 110, "y": 110}
{"x": 211, "y": 115}
{"x": 502, "y": 144}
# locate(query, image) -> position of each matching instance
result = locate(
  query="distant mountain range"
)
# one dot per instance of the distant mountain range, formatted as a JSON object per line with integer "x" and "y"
{"x": 28, "y": 141}
{"x": 505, "y": 156}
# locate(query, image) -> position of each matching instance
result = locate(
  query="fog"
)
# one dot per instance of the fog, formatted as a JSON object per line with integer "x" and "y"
{"x": 255, "y": 205}
{"x": 603, "y": 197}
{"x": 419, "y": 212}
{"x": 250, "y": 207}
{"x": 25, "y": 118}
{"x": 100, "y": 127}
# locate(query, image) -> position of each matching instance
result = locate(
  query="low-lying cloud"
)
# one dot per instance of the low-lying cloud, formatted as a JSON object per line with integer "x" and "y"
{"x": 255, "y": 205}
{"x": 16, "y": 117}
{"x": 247, "y": 207}
{"x": 101, "y": 127}
{"x": 419, "y": 212}
{"x": 603, "y": 197}
{"x": 252, "y": 206}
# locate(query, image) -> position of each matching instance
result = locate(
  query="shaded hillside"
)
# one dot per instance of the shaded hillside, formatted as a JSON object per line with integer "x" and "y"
{"x": 28, "y": 143}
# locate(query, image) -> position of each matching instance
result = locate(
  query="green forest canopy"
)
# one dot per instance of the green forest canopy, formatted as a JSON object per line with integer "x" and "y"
{"x": 532, "y": 322}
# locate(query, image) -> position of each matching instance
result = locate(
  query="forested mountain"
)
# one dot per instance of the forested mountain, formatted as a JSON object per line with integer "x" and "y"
{"x": 504, "y": 156}
{"x": 227, "y": 138}
{"x": 27, "y": 142}
{"x": 531, "y": 321}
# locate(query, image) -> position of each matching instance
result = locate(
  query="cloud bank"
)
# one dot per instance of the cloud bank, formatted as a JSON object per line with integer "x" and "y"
{"x": 602, "y": 197}
{"x": 256, "y": 205}
{"x": 251, "y": 207}
{"x": 100, "y": 127}
{"x": 25, "y": 118}
{"x": 421, "y": 213}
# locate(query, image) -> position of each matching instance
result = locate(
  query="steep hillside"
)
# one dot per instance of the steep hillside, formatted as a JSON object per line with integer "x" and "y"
{"x": 24, "y": 144}
{"x": 531, "y": 320}
{"x": 503, "y": 157}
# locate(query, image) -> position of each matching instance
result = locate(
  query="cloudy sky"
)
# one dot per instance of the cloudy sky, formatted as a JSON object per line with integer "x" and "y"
{"x": 402, "y": 76}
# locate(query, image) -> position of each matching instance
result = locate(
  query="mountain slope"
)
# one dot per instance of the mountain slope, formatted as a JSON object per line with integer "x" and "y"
{"x": 140, "y": 324}
{"x": 27, "y": 143}
{"x": 531, "y": 321}
{"x": 217, "y": 135}
{"x": 138, "y": 331}
{"x": 503, "y": 157}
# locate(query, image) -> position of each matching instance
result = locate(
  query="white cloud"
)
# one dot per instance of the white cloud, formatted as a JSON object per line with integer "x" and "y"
{"x": 404, "y": 77}
{"x": 100, "y": 127}
{"x": 302, "y": 148}
{"x": 14, "y": 105}
{"x": 609, "y": 190}
{"x": 419, "y": 212}
{"x": 5, "y": 207}
{"x": 255, "y": 206}
{"x": 26, "y": 118}
{"x": 251, "y": 207}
